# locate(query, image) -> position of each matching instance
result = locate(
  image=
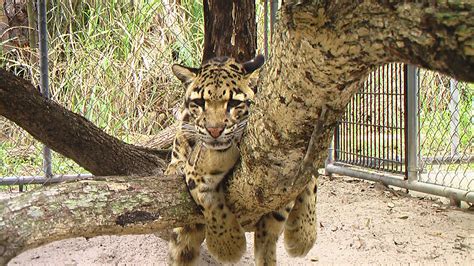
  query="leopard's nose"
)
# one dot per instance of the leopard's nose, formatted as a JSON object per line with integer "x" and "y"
{"x": 215, "y": 131}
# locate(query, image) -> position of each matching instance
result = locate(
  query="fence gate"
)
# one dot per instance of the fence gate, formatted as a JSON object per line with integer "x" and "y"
{"x": 372, "y": 132}
{"x": 410, "y": 128}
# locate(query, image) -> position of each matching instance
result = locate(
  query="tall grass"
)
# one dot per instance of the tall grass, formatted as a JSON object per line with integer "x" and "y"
{"x": 111, "y": 62}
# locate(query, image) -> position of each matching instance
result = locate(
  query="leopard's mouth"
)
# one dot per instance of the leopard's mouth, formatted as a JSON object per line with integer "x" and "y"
{"x": 218, "y": 145}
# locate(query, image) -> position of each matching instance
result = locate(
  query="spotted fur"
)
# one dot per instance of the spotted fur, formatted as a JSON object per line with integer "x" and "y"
{"x": 205, "y": 150}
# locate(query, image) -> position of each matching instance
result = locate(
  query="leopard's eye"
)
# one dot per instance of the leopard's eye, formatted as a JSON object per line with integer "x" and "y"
{"x": 197, "y": 103}
{"x": 233, "y": 103}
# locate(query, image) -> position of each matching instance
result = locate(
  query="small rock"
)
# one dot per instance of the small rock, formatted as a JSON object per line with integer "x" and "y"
{"x": 398, "y": 242}
{"x": 391, "y": 205}
{"x": 404, "y": 217}
{"x": 314, "y": 259}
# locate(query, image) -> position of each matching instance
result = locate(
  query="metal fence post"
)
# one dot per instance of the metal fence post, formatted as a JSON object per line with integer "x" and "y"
{"x": 412, "y": 122}
{"x": 330, "y": 158}
{"x": 454, "y": 121}
{"x": 265, "y": 28}
{"x": 273, "y": 12}
{"x": 44, "y": 81}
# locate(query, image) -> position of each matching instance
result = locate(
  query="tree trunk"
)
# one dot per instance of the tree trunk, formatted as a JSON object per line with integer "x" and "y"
{"x": 322, "y": 51}
{"x": 230, "y": 29}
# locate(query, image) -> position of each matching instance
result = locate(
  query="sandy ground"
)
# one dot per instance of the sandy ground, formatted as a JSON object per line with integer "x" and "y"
{"x": 359, "y": 222}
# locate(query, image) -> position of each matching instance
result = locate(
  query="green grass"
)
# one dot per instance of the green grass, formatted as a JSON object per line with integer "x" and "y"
{"x": 15, "y": 161}
{"x": 435, "y": 116}
{"x": 110, "y": 62}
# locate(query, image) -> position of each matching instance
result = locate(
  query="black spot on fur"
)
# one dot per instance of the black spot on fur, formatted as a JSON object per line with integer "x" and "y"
{"x": 220, "y": 206}
{"x": 278, "y": 216}
{"x": 315, "y": 189}
{"x": 216, "y": 172}
{"x": 175, "y": 154}
{"x": 191, "y": 184}
{"x": 234, "y": 67}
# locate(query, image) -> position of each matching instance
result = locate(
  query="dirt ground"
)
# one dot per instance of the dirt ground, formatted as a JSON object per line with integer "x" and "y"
{"x": 359, "y": 222}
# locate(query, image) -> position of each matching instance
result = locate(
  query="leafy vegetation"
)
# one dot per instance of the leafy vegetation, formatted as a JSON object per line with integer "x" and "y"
{"x": 111, "y": 62}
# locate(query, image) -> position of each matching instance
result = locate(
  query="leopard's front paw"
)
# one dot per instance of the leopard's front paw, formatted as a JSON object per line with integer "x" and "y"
{"x": 225, "y": 237}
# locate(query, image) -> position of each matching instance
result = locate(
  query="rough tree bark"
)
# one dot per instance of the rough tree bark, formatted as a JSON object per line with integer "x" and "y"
{"x": 322, "y": 50}
{"x": 230, "y": 29}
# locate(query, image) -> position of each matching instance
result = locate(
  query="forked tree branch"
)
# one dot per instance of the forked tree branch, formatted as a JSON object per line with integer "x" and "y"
{"x": 321, "y": 51}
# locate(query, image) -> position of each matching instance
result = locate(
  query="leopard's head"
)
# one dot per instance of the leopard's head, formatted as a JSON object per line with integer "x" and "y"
{"x": 217, "y": 99}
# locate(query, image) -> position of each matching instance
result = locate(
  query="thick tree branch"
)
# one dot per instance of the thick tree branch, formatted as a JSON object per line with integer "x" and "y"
{"x": 107, "y": 205}
{"x": 71, "y": 134}
{"x": 321, "y": 51}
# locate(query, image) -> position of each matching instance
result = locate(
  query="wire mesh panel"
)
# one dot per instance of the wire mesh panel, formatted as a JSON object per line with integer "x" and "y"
{"x": 109, "y": 61}
{"x": 372, "y": 132}
{"x": 446, "y": 130}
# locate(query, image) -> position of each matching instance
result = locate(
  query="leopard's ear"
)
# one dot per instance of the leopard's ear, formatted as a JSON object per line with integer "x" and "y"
{"x": 185, "y": 74}
{"x": 250, "y": 68}
{"x": 254, "y": 64}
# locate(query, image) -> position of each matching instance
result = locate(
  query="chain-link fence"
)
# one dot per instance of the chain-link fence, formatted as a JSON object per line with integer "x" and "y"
{"x": 446, "y": 131}
{"x": 413, "y": 123}
{"x": 109, "y": 61}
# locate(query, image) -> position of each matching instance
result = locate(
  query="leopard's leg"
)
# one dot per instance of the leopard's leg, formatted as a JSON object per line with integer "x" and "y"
{"x": 185, "y": 244}
{"x": 267, "y": 231}
{"x": 301, "y": 226}
{"x": 225, "y": 238}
